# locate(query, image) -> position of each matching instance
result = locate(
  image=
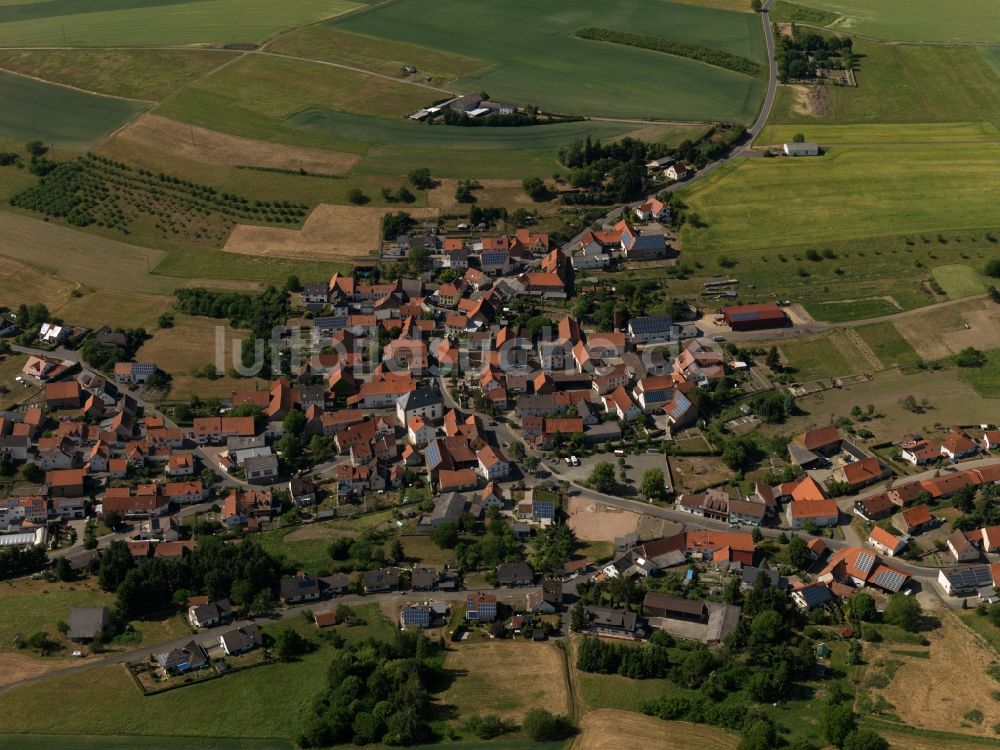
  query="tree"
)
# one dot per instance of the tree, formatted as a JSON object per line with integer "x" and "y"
{"x": 445, "y": 536}
{"x": 773, "y": 358}
{"x": 396, "y": 551}
{"x": 294, "y": 422}
{"x": 116, "y": 562}
{"x": 863, "y": 607}
{"x": 33, "y": 473}
{"x": 970, "y": 357}
{"x": 904, "y": 612}
{"x": 838, "y": 722}
{"x": 62, "y": 569}
{"x": 760, "y": 735}
{"x": 535, "y": 188}
{"x": 993, "y": 268}
{"x": 652, "y": 484}
{"x": 357, "y": 197}
{"x": 421, "y": 179}
{"x": 602, "y": 477}
{"x": 865, "y": 739}
{"x": 798, "y": 552}
{"x": 578, "y": 618}
{"x": 288, "y": 645}
{"x": 542, "y": 726}
{"x": 799, "y": 138}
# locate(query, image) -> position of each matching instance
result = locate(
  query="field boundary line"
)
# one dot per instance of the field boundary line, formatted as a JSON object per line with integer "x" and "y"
{"x": 351, "y": 68}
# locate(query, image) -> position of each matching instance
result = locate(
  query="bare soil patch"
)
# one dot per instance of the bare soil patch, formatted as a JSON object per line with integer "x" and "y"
{"x": 983, "y": 332}
{"x": 315, "y": 531}
{"x": 212, "y": 147}
{"x": 17, "y": 667}
{"x": 935, "y": 693}
{"x": 940, "y": 332}
{"x": 506, "y": 678}
{"x": 333, "y": 233}
{"x": 811, "y": 100}
{"x": 594, "y": 522}
{"x": 692, "y": 472}
{"x": 507, "y": 193}
{"x": 611, "y": 727}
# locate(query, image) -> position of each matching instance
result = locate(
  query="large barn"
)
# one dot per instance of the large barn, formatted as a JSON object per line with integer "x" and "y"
{"x": 754, "y": 317}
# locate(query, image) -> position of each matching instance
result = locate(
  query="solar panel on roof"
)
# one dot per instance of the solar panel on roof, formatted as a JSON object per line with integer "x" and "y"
{"x": 889, "y": 580}
{"x": 865, "y": 562}
{"x": 650, "y": 323}
{"x": 433, "y": 453}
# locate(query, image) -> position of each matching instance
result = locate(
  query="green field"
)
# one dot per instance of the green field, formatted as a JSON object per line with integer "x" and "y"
{"x": 959, "y": 280}
{"x": 133, "y": 73}
{"x": 30, "y": 606}
{"x": 986, "y": 379}
{"x": 34, "y": 110}
{"x": 136, "y": 22}
{"x": 914, "y": 20}
{"x": 266, "y": 702}
{"x": 900, "y": 83}
{"x": 888, "y": 344}
{"x": 821, "y": 357}
{"x": 848, "y": 193}
{"x": 533, "y": 58}
{"x": 77, "y": 742}
{"x": 383, "y": 56}
{"x": 876, "y": 135}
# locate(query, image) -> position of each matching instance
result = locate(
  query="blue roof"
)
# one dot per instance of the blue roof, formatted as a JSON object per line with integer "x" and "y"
{"x": 815, "y": 595}
{"x": 651, "y": 242}
{"x": 651, "y": 324}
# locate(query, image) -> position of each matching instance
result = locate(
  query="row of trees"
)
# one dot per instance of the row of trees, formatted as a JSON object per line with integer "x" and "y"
{"x": 708, "y": 55}
{"x": 648, "y": 661}
{"x": 245, "y": 573}
{"x": 258, "y": 312}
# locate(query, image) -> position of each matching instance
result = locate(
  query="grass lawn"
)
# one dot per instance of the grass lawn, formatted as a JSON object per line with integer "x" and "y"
{"x": 900, "y": 83}
{"x": 914, "y": 20}
{"x": 95, "y": 308}
{"x": 785, "y": 12}
{"x": 752, "y": 204}
{"x": 29, "y": 606}
{"x": 611, "y": 691}
{"x": 133, "y": 73}
{"x": 827, "y": 356}
{"x": 191, "y": 343}
{"x": 959, "y": 280}
{"x": 35, "y": 110}
{"x": 951, "y": 401}
{"x": 146, "y": 22}
{"x": 616, "y": 79}
{"x": 309, "y": 555}
{"x": 888, "y": 344}
{"x": 986, "y": 379}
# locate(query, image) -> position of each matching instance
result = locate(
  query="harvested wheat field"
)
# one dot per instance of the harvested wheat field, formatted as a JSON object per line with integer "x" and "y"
{"x": 594, "y": 522}
{"x": 212, "y": 147}
{"x": 24, "y": 284}
{"x": 935, "y": 693}
{"x": 514, "y": 677}
{"x": 332, "y": 233}
{"x": 17, "y": 667}
{"x": 611, "y": 728}
{"x": 507, "y": 193}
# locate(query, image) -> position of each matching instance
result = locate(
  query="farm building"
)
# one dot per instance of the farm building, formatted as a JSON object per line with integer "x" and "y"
{"x": 754, "y": 317}
{"x": 801, "y": 149}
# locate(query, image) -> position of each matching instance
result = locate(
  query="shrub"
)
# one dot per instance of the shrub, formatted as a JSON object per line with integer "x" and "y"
{"x": 542, "y": 726}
